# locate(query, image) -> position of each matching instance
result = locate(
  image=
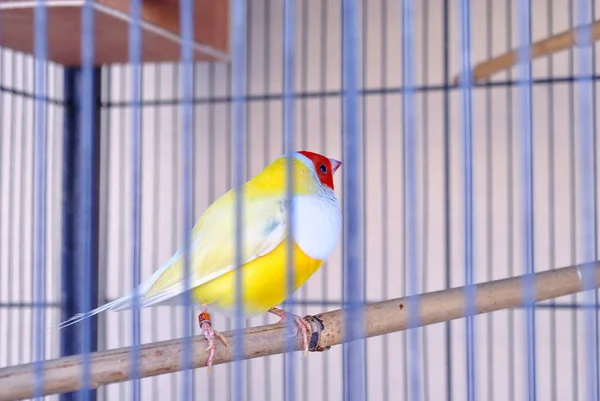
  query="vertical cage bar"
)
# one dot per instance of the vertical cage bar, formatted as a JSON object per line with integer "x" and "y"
{"x": 363, "y": 135}
{"x": 88, "y": 191}
{"x": 288, "y": 144}
{"x": 248, "y": 159}
{"x": 238, "y": 77}
{"x": 353, "y": 291}
{"x": 39, "y": 194}
{"x": 81, "y": 191}
{"x": 588, "y": 191}
{"x": 304, "y": 57}
{"x": 525, "y": 91}
{"x": 135, "y": 59}
{"x": 470, "y": 291}
{"x": 409, "y": 190}
{"x": 595, "y": 195}
{"x": 187, "y": 152}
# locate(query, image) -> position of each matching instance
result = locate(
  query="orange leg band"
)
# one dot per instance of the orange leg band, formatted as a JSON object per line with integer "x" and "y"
{"x": 203, "y": 317}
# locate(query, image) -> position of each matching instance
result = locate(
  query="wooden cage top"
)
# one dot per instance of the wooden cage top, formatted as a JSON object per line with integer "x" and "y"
{"x": 159, "y": 26}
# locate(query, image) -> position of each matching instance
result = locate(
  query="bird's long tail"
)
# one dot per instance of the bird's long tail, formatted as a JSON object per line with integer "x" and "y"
{"x": 117, "y": 304}
{"x": 126, "y": 301}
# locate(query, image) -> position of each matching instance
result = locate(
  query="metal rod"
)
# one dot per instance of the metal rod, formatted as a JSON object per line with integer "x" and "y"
{"x": 63, "y": 374}
{"x": 74, "y": 211}
{"x": 317, "y": 94}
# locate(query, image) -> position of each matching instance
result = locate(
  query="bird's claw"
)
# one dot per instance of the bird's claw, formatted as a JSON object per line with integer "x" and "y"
{"x": 210, "y": 334}
{"x": 300, "y": 323}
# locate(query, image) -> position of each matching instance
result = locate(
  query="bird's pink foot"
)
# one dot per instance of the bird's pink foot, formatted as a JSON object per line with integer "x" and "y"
{"x": 301, "y": 324}
{"x": 210, "y": 334}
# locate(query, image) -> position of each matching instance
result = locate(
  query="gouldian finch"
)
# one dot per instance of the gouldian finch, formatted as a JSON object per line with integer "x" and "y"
{"x": 212, "y": 251}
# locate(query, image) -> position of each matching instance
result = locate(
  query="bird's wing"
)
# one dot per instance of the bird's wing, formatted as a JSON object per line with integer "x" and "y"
{"x": 212, "y": 251}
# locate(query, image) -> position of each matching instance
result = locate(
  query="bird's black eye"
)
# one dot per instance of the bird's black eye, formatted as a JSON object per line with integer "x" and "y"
{"x": 323, "y": 169}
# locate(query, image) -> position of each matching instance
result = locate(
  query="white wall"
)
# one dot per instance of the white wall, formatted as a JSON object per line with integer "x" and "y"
{"x": 500, "y": 336}
{"x": 18, "y": 127}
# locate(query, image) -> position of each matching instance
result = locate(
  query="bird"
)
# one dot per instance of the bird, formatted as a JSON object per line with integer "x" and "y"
{"x": 315, "y": 229}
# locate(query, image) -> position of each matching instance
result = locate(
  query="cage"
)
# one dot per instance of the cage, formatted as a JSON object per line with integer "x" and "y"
{"x": 467, "y": 132}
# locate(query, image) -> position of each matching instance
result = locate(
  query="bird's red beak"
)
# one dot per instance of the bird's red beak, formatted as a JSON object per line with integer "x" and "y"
{"x": 335, "y": 164}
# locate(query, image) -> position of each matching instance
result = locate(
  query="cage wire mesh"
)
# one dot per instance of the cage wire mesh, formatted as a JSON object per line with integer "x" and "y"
{"x": 442, "y": 185}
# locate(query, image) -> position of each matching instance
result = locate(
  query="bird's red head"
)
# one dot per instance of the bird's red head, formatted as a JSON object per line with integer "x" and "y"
{"x": 324, "y": 166}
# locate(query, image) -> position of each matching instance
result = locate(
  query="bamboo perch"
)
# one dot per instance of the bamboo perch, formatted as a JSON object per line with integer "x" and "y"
{"x": 64, "y": 374}
{"x": 541, "y": 48}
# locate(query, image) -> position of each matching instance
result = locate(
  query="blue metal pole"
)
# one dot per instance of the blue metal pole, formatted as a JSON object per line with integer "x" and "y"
{"x": 73, "y": 286}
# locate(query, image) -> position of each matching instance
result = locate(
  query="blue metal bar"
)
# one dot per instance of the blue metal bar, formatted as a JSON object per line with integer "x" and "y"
{"x": 251, "y": 48}
{"x": 238, "y": 77}
{"x": 588, "y": 192}
{"x": 288, "y": 143}
{"x": 135, "y": 60}
{"x": 187, "y": 152}
{"x": 81, "y": 192}
{"x": 410, "y": 212}
{"x": 87, "y": 188}
{"x": 304, "y": 60}
{"x": 523, "y": 56}
{"x": 353, "y": 291}
{"x": 595, "y": 195}
{"x": 467, "y": 137}
{"x": 39, "y": 194}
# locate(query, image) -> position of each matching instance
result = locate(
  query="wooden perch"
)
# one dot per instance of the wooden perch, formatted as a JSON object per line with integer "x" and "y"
{"x": 542, "y": 48}
{"x": 64, "y": 374}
